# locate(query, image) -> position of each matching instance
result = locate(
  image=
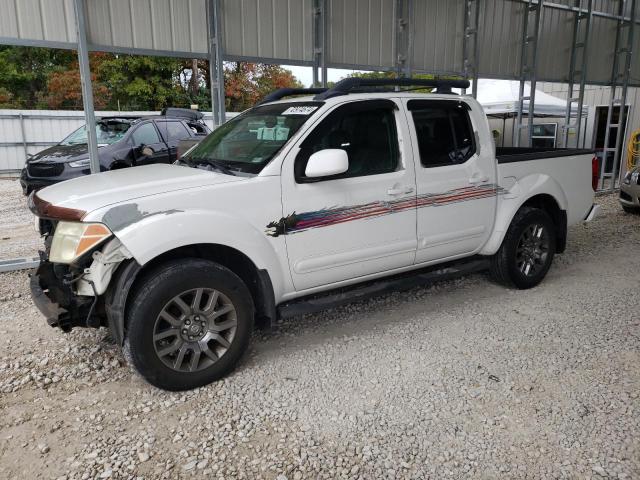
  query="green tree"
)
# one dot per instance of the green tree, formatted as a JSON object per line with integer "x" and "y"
{"x": 247, "y": 83}
{"x": 48, "y": 78}
{"x": 143, "y": 82}
{"x": 25, "y": 71}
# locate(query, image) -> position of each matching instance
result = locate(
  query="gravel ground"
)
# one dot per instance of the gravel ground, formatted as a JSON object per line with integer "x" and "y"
{"x": 464, "y": 379}
{"x": 17, "y": 236}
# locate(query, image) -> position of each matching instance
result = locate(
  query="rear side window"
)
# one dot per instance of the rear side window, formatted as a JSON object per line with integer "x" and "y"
{"x": 197, "y": 128}
{"x": 365, "y": 130}
{"x": 145, "y": 134}
{"x": 173, "y": 131}
{"x": 444, "y": 132}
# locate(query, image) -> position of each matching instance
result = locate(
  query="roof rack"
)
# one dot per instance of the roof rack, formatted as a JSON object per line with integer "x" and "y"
{"x": 287, "y": 92}
{"x": 357, "y": 84}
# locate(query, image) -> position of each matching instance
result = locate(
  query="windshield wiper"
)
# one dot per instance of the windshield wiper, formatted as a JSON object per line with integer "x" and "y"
{"x": 214, "y": 163}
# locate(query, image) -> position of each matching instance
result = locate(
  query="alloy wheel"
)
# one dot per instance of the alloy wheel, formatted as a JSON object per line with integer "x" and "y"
{"x": 194, "y": 329}
{"x": 532, "y": 251}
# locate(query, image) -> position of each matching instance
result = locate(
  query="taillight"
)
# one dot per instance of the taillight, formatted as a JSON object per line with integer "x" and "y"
{"x": 595, "y": 173}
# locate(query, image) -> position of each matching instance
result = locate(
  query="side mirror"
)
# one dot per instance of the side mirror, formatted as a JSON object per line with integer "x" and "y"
{"x": 146, "y": 151}
{"x": 325, "y": 163}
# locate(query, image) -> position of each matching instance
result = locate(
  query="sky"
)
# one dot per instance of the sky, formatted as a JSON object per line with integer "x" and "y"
{"x": 305, "y": 74}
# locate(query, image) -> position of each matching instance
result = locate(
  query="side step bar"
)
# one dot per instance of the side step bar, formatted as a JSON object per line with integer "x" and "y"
{"x": 343, "y": 296}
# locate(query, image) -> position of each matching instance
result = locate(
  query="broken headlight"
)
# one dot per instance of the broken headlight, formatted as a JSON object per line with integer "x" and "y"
{"x": 73, "y": 239}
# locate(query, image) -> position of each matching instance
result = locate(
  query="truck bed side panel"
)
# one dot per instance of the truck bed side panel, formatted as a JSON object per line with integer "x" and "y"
{"x": 566, "y": 178}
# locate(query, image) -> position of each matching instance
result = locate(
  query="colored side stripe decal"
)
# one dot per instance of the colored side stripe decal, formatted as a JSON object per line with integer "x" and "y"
{"x": 300, "y": 222}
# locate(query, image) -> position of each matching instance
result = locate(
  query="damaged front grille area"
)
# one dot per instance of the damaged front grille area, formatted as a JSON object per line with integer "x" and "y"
{"x": 53, "y": 293}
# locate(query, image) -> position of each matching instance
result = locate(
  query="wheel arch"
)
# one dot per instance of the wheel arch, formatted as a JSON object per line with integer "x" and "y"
{"x": 544, "y": 193}
{"x": 130, "y": 273}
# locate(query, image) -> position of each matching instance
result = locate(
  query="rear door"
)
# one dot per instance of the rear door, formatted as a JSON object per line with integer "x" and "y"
{"x": 455, "y": 178}
{"x": 148, "y": 146}
{"x": 358, "y": 223}
{"x": 173, "y": 132}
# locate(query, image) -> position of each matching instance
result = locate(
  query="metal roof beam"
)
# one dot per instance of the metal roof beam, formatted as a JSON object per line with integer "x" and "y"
{"x": 85, "y": 82}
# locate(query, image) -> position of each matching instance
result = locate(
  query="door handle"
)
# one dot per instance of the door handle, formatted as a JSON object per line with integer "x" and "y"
{"x": 399, "y": 191}
{"x": 475, "y": 179}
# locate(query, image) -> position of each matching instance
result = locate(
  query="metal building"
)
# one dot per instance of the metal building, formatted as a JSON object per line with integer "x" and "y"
{"x": 575, "y": 42}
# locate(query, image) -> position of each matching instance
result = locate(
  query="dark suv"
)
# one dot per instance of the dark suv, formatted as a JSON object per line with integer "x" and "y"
{"x": 122, "y": 141}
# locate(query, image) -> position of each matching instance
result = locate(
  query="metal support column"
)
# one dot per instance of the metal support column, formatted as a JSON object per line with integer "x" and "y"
{"x": 528, "y": 67}
{"x": 403, "y": 35}
{"x": 470, "y": 43}
{"x": 619, "y": 79}
{"x": 85, "y": 82}
{"x": 319, "y": 34}
{"x": 581, "y": 34}
{"x": 216, "y": 67}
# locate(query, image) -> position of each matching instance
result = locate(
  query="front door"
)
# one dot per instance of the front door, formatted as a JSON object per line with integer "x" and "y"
{"x": 358, "y": 223}
{"x": 173, "y": 132}
{"x": 455, "y": 177}
{"x": 148, "y": 147}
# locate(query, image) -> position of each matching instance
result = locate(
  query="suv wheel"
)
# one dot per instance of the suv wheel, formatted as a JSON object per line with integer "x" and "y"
{"x": 189, "y": 323}
{"x": 527, "y": 250}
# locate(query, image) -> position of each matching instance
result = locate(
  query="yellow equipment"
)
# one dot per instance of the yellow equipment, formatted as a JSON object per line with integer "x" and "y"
{"x": 633, "y": 150}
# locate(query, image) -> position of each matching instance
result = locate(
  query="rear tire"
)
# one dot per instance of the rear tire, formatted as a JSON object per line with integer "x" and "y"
{"x": 189, "y": 323}
{"x": 527, "y": 251}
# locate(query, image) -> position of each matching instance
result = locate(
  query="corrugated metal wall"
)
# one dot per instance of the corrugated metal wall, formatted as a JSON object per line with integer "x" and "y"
{"x": 171, "y": 25}
{"x": 500, "y": 38}
{"x": 277, "y": 29}
{"x": 361, "y": 33}
{"x": 51, "y": 20}
{"x": 438, "y": 27}
{"x": 596, "y": 95}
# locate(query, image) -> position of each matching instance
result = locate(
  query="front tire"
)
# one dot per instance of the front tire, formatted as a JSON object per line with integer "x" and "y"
{"x": 633, "y": 210}
{"x": 189, "y": 323}
{"x": 527, "y": 250}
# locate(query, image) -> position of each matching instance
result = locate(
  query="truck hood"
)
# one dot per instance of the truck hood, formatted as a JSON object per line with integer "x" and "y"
{"x": 91, "y": 192}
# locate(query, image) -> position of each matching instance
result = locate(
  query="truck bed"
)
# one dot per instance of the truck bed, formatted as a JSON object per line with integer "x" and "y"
{"x": 524, "y": 154}
{"x": 565, "y": 172}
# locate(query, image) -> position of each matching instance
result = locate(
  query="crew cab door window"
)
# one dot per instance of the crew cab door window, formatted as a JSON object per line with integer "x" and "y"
{"x": 145, "y": 134}
{"x": 455, "y": 179}
{"x": 173, "y": 132}
{"x": 366, "y": 132}
{"x": 357, "y": 223}
{"x": 176, "y": 131}
{"x": 147, "y": 146}
{"x": 444, "y": 134}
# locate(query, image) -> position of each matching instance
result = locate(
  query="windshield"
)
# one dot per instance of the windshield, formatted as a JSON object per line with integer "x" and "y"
{"x": 108, "y": 132}
{"x": 249, "y": 141}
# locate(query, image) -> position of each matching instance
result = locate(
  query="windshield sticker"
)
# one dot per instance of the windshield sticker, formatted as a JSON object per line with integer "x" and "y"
{"x": 300, "y": 110}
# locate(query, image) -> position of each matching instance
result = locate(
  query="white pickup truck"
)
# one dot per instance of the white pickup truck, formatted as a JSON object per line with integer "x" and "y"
{"x": 298, "y": 204}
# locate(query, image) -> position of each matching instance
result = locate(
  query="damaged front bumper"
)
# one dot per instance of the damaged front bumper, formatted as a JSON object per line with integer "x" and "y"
{"x": 52, "y": 294}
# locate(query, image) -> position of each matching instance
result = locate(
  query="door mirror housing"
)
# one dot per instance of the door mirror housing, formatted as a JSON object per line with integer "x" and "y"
{"x": 328, "y": 162}
{"x": 147, "y": 150}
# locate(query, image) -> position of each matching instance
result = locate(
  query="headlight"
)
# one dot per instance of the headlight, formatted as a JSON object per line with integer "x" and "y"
{"x": 627, "y": 178}
{"x": 72, "y": 239}
{"x": 80, "y": 163}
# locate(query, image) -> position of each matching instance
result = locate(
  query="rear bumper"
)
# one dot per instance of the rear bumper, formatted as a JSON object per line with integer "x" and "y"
{"x": 630, "y": 195}
{"x": 594, "y": 211}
